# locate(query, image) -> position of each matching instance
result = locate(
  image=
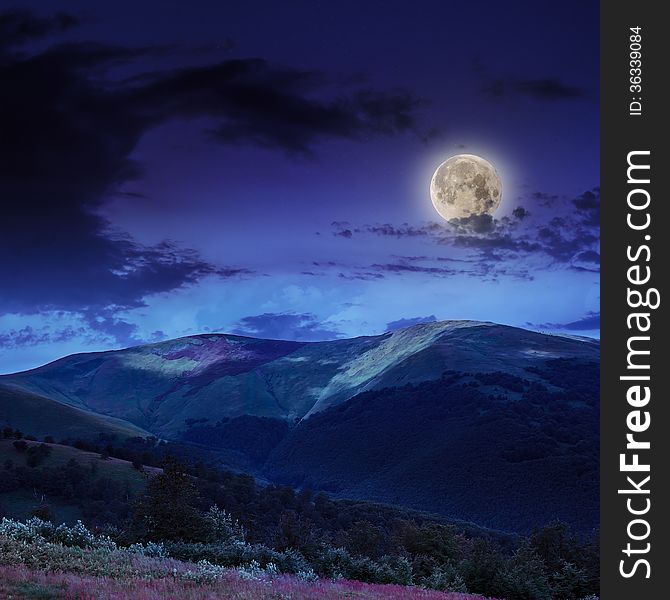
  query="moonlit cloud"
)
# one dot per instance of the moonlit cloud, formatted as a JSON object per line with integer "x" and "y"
{"x": 171, "y": 181}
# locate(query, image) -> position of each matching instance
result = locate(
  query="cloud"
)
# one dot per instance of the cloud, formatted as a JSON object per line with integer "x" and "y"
{"x": 404, "y": 323}
{"x": 588, "y": 205}
{"x": 589, "y": 256}
{"x": 29, "y": 336}
{"x": 404, "y": 230}
{"x": 256, "y": 102}
{"x": 589, "y": 322}
{"x": 520, "y": 213}
{"x": 303, "y": 327}
{"x": 544, "y": 198}
{"x": 413, "y": 268}
{"x": 565, "y": 246}
{"x": 564, "y": 235}
{"x": 68, "y": 133}
{"x": 483, "y": 223}
{"x": 570, "y": 238}
{"x": 547, "y": 90}
{"x": 497, "y": 241}
{"x": 360, "y": 276}
{"x": 18, "y": 26}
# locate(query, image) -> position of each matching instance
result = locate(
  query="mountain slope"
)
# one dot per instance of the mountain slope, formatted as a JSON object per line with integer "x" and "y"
{"x": 41, "y": 416}
{"x": 161, "y": 387}
{"x": 477, "y": 421}
{"x": 506, "y": 452}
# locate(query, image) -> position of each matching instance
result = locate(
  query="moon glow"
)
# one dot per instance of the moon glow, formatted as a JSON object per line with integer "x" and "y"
{"x": 465, "y": 185}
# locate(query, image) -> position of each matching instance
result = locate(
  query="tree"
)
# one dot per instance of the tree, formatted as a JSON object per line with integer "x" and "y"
{"x": 37, "y": 454}
{"x": 168, "y": 508}
{"x": 44, "y": 512}
{"x": 20, "y": 445}
{"x": 295, "y": 532}
{"x": 221, "y": 527}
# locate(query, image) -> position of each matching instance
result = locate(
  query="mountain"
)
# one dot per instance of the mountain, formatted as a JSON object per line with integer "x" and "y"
{"x": 475, "y": 420}
{"x": 38, "y": 415}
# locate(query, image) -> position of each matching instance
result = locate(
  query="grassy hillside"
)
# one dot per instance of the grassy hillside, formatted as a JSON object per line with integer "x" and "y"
{"x": 41, "y": 416}
{"x": 211, "y": 378}
{"x": 19, "y": 503}
{"x": 114, "y": 468}
{"x": 508, "y": 440}
{"x": 260, "y": 530}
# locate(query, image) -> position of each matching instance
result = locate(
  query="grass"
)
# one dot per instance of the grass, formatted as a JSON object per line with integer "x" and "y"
{"x": 20, "y": 582}
{"x": 18, "y": 504}
{"x": 39, "y": 415}
{"x": 40, "y": 560}
{"x": 114, "y": 468}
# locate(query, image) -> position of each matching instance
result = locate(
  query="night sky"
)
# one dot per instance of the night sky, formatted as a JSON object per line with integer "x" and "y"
{"x": 262, "y": 168}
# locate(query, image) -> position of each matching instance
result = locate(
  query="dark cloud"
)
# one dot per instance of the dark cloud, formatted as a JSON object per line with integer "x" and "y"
{"x": 572, "y": 237}
{"x": 29, "y": 336}
{"x": 588, "y": 205}
{"x": 404, "y": 323}
{"x": 497, "y": 241}
{"x": 483, "y": 223}
{"x": 68, "y": 130}
{"x": 566, "y": 245}
{"x": 589, "y": 256}
{"x": 414, "y": 268}
{"x": 544, "y": 198}
{"x": 106, "y": 322}
{"x": 548, "y": 90}
{"x": 569, "y": 240}
{"x": 360, "y": 276}
{"x": 285, "y": 326}
{"x": 404, "y": 230}
{"x": 258, "y": 103}
{"x": 589, "y": 322}
{"x": 18, "y": 26}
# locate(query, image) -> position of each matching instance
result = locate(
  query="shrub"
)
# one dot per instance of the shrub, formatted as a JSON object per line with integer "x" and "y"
{"x": 43, "y": 512}
{"x": 221, "y": 527}
{"x": 445, "y": 578}
{"x": 151, "y": 549}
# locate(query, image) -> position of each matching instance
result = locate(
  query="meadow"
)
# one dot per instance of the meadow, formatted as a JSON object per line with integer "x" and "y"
{"x": 41, "y": 561}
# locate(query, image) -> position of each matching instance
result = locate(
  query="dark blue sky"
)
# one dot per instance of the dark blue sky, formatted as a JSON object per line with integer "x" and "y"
{"x": 171, "y": 168}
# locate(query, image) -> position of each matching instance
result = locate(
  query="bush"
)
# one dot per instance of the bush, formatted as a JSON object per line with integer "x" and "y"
{"x": 445, "y": 578}
{"x": 219, "y": 526}
{"x": 150, "y": 549}
{"x": 36, "y": 531}
{"x": 43, "y": 512}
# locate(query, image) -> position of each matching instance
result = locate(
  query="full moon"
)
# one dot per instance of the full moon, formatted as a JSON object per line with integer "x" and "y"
{"x": 465, "y": 185}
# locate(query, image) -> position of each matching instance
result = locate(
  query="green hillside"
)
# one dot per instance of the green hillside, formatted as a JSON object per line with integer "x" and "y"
{"x": 41, "y": 416}
{"x": 163, "y": 387}
{"x": 19, "y": 503}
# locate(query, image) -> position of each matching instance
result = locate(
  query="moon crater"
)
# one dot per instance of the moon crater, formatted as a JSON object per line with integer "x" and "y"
{"x": 465, "y": 185}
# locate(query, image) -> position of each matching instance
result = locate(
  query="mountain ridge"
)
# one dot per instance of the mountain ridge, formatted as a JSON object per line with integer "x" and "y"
{"x": 152, "y": 383}
{"x": 497, "y": 410}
